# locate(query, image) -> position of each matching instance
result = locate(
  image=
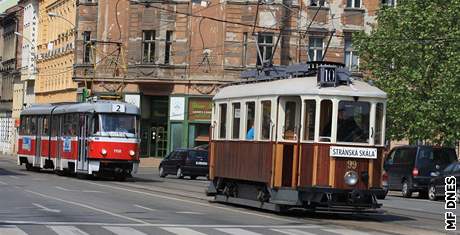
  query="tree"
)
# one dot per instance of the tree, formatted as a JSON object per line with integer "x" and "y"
{"x": 413, "y": 53}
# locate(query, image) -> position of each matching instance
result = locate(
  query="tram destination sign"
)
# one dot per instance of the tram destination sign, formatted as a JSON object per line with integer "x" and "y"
{"x": 353, "y": 152}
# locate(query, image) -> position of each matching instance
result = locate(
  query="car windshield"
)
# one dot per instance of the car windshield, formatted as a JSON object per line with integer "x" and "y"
{"x": 123, "y": 125}
{"x": 195, "y": 155}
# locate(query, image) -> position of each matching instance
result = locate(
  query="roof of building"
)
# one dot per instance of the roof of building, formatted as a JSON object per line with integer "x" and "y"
{"x": 298, "y": 86}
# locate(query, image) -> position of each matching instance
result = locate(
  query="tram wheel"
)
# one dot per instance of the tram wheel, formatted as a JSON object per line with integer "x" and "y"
{"x": 29, "y": 166}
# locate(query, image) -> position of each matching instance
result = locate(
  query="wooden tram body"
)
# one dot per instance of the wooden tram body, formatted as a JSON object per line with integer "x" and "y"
{"x": 88, "y": 138}
{"x": 302, "y": 149}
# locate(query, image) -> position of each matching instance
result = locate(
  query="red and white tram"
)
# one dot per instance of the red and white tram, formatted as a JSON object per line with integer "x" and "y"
{"x": 92, "y": 138}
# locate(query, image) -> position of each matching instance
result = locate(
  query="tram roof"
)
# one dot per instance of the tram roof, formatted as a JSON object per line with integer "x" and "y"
{"x": 90, "y": 107}
{"x": 298, "y": 86}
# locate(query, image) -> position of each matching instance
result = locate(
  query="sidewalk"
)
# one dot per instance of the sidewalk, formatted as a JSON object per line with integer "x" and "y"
{"x": 150, "y": 162}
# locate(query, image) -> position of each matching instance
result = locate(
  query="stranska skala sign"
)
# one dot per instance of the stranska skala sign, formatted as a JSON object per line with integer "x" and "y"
{"x": 353, "y": 152}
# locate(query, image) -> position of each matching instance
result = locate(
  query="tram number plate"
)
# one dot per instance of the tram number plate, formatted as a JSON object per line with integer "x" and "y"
{"x": 119, "y": 108}
{"x": 201, "y": 163}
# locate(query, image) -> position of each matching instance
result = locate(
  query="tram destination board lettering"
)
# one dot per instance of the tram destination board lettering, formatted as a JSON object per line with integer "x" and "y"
{"x": 353, "y": 152}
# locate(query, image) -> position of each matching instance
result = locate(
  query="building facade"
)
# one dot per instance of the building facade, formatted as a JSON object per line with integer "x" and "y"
{"x": 56, "y": 44}
{"x": 10, "y": 48}
{"x": 24, "y": 89}
{"x": 169, "y": 58}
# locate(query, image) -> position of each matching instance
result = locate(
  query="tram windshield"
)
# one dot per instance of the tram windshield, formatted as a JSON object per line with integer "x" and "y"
{"x": 117, "y": 125}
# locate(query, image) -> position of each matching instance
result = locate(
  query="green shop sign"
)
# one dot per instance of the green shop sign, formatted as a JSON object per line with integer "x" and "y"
{"x": 199, "y": 109}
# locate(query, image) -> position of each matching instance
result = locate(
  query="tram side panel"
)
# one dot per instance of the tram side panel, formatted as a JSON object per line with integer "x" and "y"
{"x": 26, "y": 149}
{"x": 242, "y": 160}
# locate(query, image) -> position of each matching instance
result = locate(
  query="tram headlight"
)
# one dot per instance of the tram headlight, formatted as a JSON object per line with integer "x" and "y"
{"x": 132, "y": 153}
{"x": 351, "y": 178}
{"x": 104, "y": 152}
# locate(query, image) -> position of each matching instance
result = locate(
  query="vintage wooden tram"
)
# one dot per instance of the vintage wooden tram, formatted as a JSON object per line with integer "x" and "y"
{"x": 91, "y": 138}
{"x": 305, "y": 136}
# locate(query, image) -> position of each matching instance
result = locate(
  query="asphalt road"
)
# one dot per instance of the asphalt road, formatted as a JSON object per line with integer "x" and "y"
{"x": 44, "y": 203}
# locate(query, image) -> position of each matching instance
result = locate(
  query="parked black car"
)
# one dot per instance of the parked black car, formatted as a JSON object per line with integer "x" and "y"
{"x": 436, "y": 188}
{"x": 409, "y": 168}
{"x": 185, "y": 162}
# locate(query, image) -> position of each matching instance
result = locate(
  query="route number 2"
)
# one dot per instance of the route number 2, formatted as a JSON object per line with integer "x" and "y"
{"x": 119, "y": 108}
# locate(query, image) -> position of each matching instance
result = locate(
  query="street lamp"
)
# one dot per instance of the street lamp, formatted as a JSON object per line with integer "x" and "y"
{"x": 54, "y": 14}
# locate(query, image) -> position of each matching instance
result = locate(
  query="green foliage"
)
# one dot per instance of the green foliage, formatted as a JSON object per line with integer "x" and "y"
{"x": 413, "y": 54}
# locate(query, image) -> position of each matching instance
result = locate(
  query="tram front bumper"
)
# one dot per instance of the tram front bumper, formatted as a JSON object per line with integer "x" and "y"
{"x": 340, "y": 199}
{"x": 113, "y": 166}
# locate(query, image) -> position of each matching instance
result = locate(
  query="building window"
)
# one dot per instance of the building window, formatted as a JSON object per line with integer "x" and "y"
{"x": 148, "y": 46}
{"x": 244, "y": 54}
{"x": 315, "y": 49}
{"x": 390, "y": 3}
{"x": 265, "y": 42}
{"x": 87, "y": 47}
{"x": 168, "y": 44}
{"x": 351, "y": 58}
{"x": 317, "y": 3}
{"x": 354, "y": 3}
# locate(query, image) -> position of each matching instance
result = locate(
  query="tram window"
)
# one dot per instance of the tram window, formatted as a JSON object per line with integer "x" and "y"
{"x": 378, "y": 124}
{"x": 46, "y": 125}
{"x": 69, "y": 124}
{"x": 223, "y": 121}
{"x": 236, "y": 107}
{"x": 250, "y": 117}
{"x": 22, "y": 126}
{"x": 266, "y": 119}
{"x": 54, "y": 125}
{"x": 33, "y": 125}
{"x": 96, "y": 124}
{"x": 353, "y": 122}
{"x": 325, "y": 122}
{"x": 310, "y": 114}
{"x": 289, "y": 120}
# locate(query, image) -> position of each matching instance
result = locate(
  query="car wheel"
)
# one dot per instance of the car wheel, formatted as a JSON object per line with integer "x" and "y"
{"x": 432, "y": 193}
{"x": 162, "y": 172}
{"x": 406, "y": 192}
{"x": 193, "y": 177}
{"x": 179, "y": 173}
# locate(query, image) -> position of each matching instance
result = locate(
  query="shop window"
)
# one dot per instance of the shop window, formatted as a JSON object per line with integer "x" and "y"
{"x": 325, "y": 121}
{"x": 223, "y": 121}
{"x": 236, "y": 120}
{"x": 378, "y": 124}
{"x": 353, "y": 122}
{"x": 289, "y": 127}
{"x": 198, "y": 134}
{"x": 250, "y": 117}
{"x": 266, "y": 119}
{"x": 309, "y": 123}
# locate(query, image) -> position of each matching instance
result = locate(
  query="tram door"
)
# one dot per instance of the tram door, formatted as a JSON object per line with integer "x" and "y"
{"x": 82, "y": 163}
{"x": 38, "y": 140}
{"x": 289, "y": 123}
